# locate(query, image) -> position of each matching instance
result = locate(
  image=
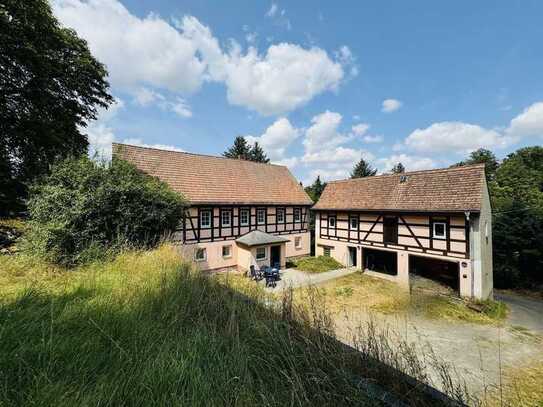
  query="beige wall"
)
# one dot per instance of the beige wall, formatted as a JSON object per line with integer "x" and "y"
{"x": 417, "y": 227}
{"x": 247, "y": 256}
{"x": 239, "y": 257}
{"x": 339, "y": 251}
{"x": 236, "y": 229}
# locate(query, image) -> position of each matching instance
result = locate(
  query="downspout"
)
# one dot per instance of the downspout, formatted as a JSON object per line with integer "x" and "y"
{"x": 472, "y": 273}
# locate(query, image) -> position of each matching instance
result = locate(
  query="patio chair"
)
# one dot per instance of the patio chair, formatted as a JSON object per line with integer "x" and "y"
{"x": 255, "y": 274}
{"x": 271, "y": 280}
{"x": 277, "y": 266}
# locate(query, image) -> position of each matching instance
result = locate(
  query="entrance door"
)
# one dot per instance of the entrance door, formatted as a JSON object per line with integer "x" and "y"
{"x": 352, "y": 256}
{"x": 275, "y": 256}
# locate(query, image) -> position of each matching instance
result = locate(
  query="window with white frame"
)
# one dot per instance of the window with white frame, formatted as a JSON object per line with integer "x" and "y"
{"x": 261, "y": 216}
{"x": 297, "y": 242}
{"x": 354, "y": 223}
{"x": 261, "y": 253}
{"x": 227, "y": 251}
{"x": 280, "y": 214}
{"x": 226, "y": 218}
{"x": 297, "y": 215}
{"x": 200, "y": 254}
{"x": 205, "y": 218}
{"x": 331, "y": 221}
{"x": 440, "y": 230}
{"x": 244, "y": 217}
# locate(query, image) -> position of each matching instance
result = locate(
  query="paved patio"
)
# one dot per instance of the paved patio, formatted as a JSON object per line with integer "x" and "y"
{"x": 296, "y": 278}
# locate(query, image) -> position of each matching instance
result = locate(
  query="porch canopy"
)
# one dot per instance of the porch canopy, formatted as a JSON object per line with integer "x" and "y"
{"x": 259, "y": 238}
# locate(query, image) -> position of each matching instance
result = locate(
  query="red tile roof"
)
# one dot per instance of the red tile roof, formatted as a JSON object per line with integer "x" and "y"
{"x": 455, "y": 189}
{"x": 207, "y": 179}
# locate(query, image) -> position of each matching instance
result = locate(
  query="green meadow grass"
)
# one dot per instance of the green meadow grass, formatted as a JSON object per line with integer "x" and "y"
{"x": 147, "y": 329}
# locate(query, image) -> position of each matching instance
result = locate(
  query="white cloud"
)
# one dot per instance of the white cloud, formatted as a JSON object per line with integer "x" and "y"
{"x": 137, "y": 51}
{"x": 411, "y": 163}
{"x": 360, "y": 129}
{"x": 139, "y": 142}
{"x": 323, "y": 133}
{"x": 99, "y": 132}
{"x": 528, "y": 123}
{"x": 145, "y": 97}
{"x": 456, "y": 137}
{"x": 151, "y": 53}
{"x": 180, "y": 107}
{"x": 288, "y": 162}
{"x": 285, "y": 78}
{"x": 251, "y": 37}
{"x": 276, "y": 138}
{"x": 272, "y": 10}
{"x": 373, "y": 138}
{"x": 391, "y": 105}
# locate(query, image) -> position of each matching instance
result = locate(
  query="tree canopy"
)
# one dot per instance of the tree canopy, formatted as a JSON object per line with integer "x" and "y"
{"x": 516, "y": 192}
{"x": 242, "y": 150}
{"x": 315, "y": 190}
{"x": 363, "y": 169}
{"x": 482, "y": 156}
{"x": 50, "y": 86}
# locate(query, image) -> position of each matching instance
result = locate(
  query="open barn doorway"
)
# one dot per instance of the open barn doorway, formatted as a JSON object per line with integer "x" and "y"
{"x": 428, "y": 273}
{"x": 380, "y": 261}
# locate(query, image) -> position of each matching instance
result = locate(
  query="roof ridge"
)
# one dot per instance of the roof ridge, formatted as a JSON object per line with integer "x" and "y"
{"x": 433, "y": 170}
{"x": 197, "y": 154}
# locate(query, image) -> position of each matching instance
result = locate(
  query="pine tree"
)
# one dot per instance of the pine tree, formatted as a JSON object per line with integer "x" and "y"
{"x": 315, "y": 190}
{"x": 240, "y": 149}
{"x": 258, "y": 155}
{"x": 363, "y": 169}
{"x": 398, "y": 169}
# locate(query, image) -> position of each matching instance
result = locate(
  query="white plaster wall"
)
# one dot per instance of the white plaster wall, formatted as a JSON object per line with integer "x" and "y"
{"x": 481, "y": 249}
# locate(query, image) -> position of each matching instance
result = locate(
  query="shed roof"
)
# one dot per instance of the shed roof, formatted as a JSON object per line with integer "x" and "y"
{"x": 455, "y": 189}
{"x": 207, "y": 179}
{"x": 259, "y": 238}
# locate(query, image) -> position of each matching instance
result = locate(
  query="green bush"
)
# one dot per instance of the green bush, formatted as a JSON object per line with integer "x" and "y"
{"x": 84, "y": 210}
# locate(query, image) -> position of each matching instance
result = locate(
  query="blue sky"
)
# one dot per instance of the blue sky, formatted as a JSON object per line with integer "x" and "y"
{"x": 319, "y": 84}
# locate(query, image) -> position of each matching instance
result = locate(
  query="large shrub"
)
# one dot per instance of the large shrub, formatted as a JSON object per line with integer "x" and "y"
{"x": 85, "y": 209}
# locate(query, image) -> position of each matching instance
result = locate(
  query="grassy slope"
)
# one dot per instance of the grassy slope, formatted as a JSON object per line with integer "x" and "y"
{"x": 145, "y": 329}
{"x": 358, "y": 290}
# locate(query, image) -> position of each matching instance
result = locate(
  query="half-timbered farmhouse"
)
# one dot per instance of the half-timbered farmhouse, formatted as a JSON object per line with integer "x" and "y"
{"x": 433, "y": 223}
{"x": 241, "y": 213}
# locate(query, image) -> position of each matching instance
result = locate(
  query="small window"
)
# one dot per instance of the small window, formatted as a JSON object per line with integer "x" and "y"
{"x": 354, "y": 223}
{"x": 280, "y": 215}
{"x": 327, "y": 251}
{"x": 205, "y": 219}
{"x": 331, "y": 221}
{"x": 297, "y": 242}
{"x": 297, "y": 215}
{"x": 261, "y": 216}
{"x": 440, "y": 230}
{"x": 244, "y": 217}
{"x": 226, "y": 218}
{"x": 227, "y": 251}
{"x": 260, "y": 253}
{"x": 200, "y": 255}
